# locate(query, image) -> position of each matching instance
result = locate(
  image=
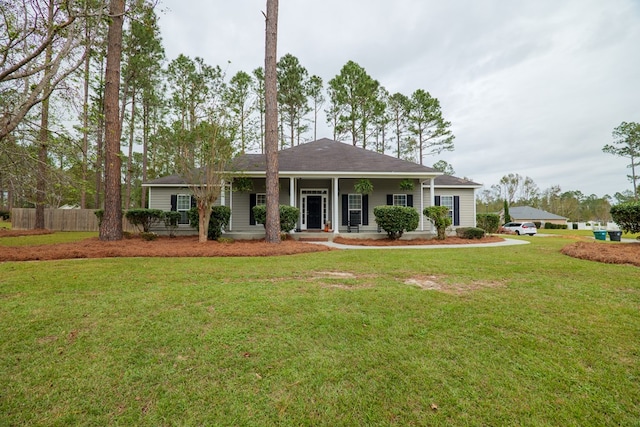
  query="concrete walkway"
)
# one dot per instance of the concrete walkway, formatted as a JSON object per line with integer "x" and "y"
{"x": 505, "y": 242}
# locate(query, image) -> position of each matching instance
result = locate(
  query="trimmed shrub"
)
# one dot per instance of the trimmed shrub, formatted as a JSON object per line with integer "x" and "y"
{"x": 488, "y": 222}
{"x": 219, "y": 220}
{"x": 507, "y": 217}
{"x": 260, "y": 214}
{"x": 439, "y": 216}
{"x": 551, "y": 226}
{"x": 5, "y": 215}
{"x": 145, "y": 235}
{"x": 395, "y": 220}
{"x": 470, "y": 233}
{"x": 538, "y": 224}
{"x": 627, "y": 216}
{"x": 171, "y": 221}
{"x": 144, "y": 219}
{"x": 288, "y": 216}
{"x": 100, "y": 214}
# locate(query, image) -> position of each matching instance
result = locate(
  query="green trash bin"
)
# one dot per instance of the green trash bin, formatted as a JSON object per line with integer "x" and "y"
{"x": 615, "y": 236}
{"x": 600, "y": 234}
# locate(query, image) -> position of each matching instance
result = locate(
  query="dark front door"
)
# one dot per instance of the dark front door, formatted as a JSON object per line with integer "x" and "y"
{"x": 314, "y": 212}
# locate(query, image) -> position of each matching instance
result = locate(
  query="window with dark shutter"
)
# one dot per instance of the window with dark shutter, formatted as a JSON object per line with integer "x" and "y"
{"x": 365, "y": 209}
{"x": 456, "y": 210}
{"x": 184, "y": 203}
{"x": 252, "y": 203}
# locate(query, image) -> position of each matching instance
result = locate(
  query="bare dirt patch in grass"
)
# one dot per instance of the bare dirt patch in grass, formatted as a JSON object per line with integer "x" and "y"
{"x": 437, "y": 283}
{"x": 610, "y": 253}
{"x": 341, "y": 280}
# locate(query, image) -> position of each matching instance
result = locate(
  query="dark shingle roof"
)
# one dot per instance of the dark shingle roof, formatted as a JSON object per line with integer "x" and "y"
{"x": 446, "y": 180}
{"x": 326, "y": 157}
{"x": 527, "y": 212}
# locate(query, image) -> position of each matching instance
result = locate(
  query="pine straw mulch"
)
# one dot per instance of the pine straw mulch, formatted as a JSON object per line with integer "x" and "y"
{"x": 187, "y": 246}
{"x": 161, "y": 247}
{"x": 415, "y": 242}
{"x": 610, "y": 253}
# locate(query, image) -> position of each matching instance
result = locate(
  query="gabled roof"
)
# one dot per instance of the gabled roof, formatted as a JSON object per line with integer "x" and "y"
{"x": 527, "y": 212}
{"x": 324, "y": 158}
{"x": 332, "y": 157}
{"x": 452, "y": 181}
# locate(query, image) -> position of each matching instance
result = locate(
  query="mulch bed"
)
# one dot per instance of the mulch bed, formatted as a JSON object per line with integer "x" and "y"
{"x": 610, "y": 253}
{"x": 161, "y": 247}
{"x": 415, "y": 242}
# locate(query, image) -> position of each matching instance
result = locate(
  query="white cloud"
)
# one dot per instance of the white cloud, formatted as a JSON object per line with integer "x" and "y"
{"x": 546, "y": 80}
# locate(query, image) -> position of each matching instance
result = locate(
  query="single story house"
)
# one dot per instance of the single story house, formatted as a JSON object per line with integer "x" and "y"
{"x": 529, "y": 214}
{"x": 318, "y": 178}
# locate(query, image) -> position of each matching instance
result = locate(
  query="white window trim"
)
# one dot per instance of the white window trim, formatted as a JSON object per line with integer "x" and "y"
{"x": 349, "y": 209}
{"x": 400, "y": 195}
{"x": 451, "y": 207}
{"x": 182, "y": 209}
{"x": 264, "y": 197}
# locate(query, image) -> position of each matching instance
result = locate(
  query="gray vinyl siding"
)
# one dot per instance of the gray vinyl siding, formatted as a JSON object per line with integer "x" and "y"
{"x": 160, "y": 198}
{"x": 240, "y": 208}
{"x": 381, "y": 187}
{"x": 467, "y": 203}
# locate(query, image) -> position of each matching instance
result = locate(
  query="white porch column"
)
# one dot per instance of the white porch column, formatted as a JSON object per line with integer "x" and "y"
{"x": 432, "y": 196}
{"x": 334, "y": 207}
{"x": 223, "y": 199}
{"x": 422, "y": 187}
{"x": 292, "y": 196}
{"x": 292, "y": 191}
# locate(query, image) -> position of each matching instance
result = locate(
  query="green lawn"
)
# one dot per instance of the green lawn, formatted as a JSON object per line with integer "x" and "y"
{"x": 518, "y": 335}
{"x": 588, "y": 233}
{"x": 47, "y": 239}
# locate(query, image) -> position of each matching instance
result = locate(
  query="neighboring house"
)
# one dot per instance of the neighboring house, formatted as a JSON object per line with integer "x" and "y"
{"x": 319, "y": 177}
{"x": 527, "y": 213}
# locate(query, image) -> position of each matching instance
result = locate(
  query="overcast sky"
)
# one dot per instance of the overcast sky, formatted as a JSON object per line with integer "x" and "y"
{"x": 533, "y": 87}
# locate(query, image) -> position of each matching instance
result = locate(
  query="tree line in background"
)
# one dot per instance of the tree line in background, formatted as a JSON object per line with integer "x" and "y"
{"x": 517, "y": 190}
{"x": 53, "y": 58}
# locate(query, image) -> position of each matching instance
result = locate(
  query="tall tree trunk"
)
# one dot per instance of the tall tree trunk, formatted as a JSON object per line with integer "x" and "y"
{"x": 85, "y": 123}
{"x": 111, "y": 225}
{"x": 145, "y": 147}
{"x": 99, "y": 167}
{"x": 272, "y": 226}
{"x": 41, "y": 180}
{"x": 130, "y": 159}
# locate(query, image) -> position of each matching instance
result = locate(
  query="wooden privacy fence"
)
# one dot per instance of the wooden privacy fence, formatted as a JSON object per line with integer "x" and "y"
{"x": 61, "y": 220}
